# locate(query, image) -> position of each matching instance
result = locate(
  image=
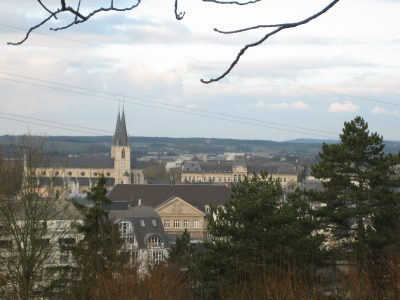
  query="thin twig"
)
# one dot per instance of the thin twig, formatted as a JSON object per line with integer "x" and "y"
{"x": 264, "y": 38}
{"x": 178, "y": 15}
{"x": 233, "y": 2}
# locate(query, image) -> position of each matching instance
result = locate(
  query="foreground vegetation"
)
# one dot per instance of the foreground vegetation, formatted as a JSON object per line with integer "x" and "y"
{"x": 265, "y": 244}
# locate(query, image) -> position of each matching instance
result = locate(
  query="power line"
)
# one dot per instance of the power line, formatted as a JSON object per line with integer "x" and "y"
{"x": 175, "y": 110}
{"x": 293, "y": 85}
{"x": 58, "y": 123}
{"x": 45, "y": 125}
{"x": 168, "y": 105}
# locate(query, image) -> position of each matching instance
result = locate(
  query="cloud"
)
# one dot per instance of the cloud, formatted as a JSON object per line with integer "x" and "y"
{"x": 297, "y": 105}
{"x": 346, "y": 106}
{"x": 377, "y": 110}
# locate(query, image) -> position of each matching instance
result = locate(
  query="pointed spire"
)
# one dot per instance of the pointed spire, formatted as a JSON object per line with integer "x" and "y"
{"x": 117, "y": 126}
{"x": 123, "y": 132}
{"x": 120, "y": 136}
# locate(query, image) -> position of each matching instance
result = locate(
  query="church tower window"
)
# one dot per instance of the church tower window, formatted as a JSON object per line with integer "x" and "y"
{"x": 123, "y": 154}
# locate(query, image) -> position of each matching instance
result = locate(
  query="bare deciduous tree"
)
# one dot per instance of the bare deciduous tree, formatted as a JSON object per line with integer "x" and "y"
{"x": 32, "y": 223}
{"x": 78, "y": 17}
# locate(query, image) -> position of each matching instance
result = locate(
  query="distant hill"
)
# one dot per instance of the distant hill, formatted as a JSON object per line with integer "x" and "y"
{"x": 101, "y": 144}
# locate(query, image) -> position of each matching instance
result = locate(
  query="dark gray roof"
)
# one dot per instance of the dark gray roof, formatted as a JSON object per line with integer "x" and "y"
{"x": 95, "y": 161}
{"x": 120, "y": 136}
{"x": 142, "y": 215}
{"x": 207, "y": 167}
{"x": 272, "y": 168}
{"x": 155, "y": 194}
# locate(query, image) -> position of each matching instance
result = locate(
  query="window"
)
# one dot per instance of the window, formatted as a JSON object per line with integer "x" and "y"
{"x": 65, "y": 257}
{"x": 156, "y": 257}
{"x": 207, "y": 209}
{"x": 154, "y": 222}
{"x": 69, "y": 173}
{"x": 108, "y": 174}
{"x": 196, "y": 224}
{"x": 185, "y": 223}
{"x": 126, "y": 231}
{"x": 167, "y": 224}
{"x": 95, "y": 173}
{"x": 82, "y": 173}
{"x": 57, "y": 173}
{"x": 66, "y": 242}
{"x": 6, "y": 244}
{"x": 123, "y": 153}
{"x": 154, "y": 241}
{"x": 176, "y": 223}
{"x": 209, "y": 235}
{"x": 142, "y": 223}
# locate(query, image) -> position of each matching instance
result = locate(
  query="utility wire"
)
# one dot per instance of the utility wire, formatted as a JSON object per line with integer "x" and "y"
{"x": 169, "y": 105}
{"x": 55, "y": 122}
{"x": 171, "y": 109}
{"x": 210, "y": 68}
{"x": 46, "y": 125}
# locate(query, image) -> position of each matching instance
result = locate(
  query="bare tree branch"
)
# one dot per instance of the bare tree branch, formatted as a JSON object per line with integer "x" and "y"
{"x": 178, "y": 15}
{"x": 265, "y": 37}
{"x": 79, "y": 17}
{"x": 233, "y": 2}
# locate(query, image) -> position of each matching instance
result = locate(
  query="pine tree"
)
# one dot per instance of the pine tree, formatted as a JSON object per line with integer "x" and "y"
{"x": 258, "y": 230}
{"x": 358, "y": 181}
{"x": 97, "y": 253}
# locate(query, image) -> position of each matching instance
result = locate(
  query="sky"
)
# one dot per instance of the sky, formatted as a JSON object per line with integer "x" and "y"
{"x": 304, "y": 82}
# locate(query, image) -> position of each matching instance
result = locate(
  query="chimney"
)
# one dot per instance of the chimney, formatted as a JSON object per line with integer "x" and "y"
{"x": 140, "y": 202}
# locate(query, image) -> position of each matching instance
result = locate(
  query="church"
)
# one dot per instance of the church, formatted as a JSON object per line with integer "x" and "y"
{"x": 79, "y": 173}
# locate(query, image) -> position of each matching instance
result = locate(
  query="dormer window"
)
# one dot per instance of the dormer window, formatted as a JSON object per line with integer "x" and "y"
{"x": 154, "y": 222}
{"x": 207, "y": 209}
{"x": 154, "y": 241}
{"x": 142, "y": 223}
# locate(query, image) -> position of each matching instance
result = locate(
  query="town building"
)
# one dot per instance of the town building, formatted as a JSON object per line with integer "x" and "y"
{"x": 224, "y": 171}
{"x": 82, "y": 172}
{"x": 179, "y": 206}
{"x": 142, "y": 234}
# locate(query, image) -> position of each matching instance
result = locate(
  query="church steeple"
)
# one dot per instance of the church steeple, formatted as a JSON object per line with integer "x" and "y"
{"x": 120, "y": 136}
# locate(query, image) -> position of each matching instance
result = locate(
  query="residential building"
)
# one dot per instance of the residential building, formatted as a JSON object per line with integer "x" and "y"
{"x": 142, "y": 233}
{"x": 179, "y": 206}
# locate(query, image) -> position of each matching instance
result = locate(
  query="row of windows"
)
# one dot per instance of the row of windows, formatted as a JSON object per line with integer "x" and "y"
{"x": 177, "y": 223}
{"x": 236, "y": 178}
{"x": 206, "y": 179}
{"x": 69, "y": 173}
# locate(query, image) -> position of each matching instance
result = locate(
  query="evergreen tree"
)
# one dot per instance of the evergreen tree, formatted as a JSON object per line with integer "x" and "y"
{"x": 97, "y": 253}
{"x": 258, "y": 230}
{"x": 358, "y": 181}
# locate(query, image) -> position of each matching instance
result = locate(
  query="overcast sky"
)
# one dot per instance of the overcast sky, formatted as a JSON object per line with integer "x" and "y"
{"x": 302, "y": 83}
